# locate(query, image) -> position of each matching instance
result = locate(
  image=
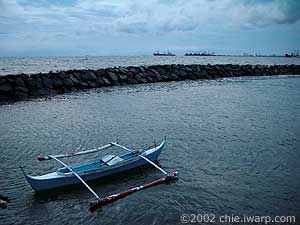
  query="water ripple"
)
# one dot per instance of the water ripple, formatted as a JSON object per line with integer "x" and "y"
{"x": 234, "y": 142}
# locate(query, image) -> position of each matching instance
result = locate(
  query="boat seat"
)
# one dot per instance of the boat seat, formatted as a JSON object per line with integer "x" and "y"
{"x": 110, "y": 160}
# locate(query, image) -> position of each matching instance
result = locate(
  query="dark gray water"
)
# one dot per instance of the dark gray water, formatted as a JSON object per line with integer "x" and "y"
{"x": 235, "y": 143}
{"x": 16, "y": 65}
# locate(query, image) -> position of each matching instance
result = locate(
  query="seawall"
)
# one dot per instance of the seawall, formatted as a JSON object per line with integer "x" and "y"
{"x": 25, "y": 86}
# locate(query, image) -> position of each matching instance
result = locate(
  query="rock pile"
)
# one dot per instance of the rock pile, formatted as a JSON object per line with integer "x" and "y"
{"x": 23, "y": 86}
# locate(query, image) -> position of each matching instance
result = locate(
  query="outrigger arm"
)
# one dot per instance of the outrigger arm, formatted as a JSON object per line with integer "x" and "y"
{"x": 166, "y": 179}
{"x": 106, "y": 200}
{"x": 143, "y": 157}
{"x": 76, "y": 175}
{"x": 42, "y": 158}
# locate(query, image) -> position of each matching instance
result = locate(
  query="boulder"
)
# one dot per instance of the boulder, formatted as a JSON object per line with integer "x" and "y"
{"x": 100, "y": 73}
{"x": 110, "y": 69}
{"x": 202, "y": 74}
{"x": 84, "y": 84}
{"x": 182, "y": 74}
{"x": 70, "y": 72}
{"x": 155, "y": 72}
{"x": 11, "y": 79}
{"x": 62, "y": 90}
{"x": 160, "y": 70}
{"x": 133, "y": 69}
{"x": 57, "y": 83}
{"x": 142, "y": 69}
{"x": 106, "y": 81}
{"x": 92, "y": 83}
{"x": 140, "y": 79}
{"x": 113, "y": 77}
{"x": 138, "y": 69}
{"x": 77, "y": 75}
{"x": 74, "y": 80}
{"x": 100, "y": 81}
{"x": 21, "y": 89}
{"x": 164, "y": 77}
{"x": 137, "y": 77}
{"x": 177, "y": 72}
{"x": 34, "y": 93}
{"x": 31, "y": 83}
{"x": 173, "y": 77}
{"x": 147, "y": 76}
{"x": 123, "y": 77}
{"x": 53, "y": 92}
{"x": 89, "y": 75}
{"x": 39, "y": 83}
{"x": 191, "y": 75}
{"x": 5, "y": 98}
{"x": 61, "y": 75}
{"x": 2, "y": 80}
{"x": 68, "y": 83}
{"x": 131, "y": 80}
{"x": 20, "y": 82}
{"x": 6, "y": 89}
{"x": 48, "y": 83}
{"x": 123, "y": 70}
{"x": 20, "y": 95}
{"x": 155, "y": 76}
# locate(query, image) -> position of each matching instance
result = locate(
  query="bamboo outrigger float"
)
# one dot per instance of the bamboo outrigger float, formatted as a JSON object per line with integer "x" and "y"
{"x": 99, "y": 168}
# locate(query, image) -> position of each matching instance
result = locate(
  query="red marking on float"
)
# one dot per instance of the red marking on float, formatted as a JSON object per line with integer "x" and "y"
{"x": 109, "y": 199}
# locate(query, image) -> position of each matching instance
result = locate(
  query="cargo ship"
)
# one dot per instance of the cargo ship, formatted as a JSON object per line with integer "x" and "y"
{"x": 200, "y": 54}
{"x": 163, "y": 54}
{"x": 296, "y": 54}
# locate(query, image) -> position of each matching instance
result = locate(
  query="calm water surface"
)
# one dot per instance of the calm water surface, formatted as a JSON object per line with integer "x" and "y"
{"x": 16, "y": 65}
{"x": 235, "y": 143}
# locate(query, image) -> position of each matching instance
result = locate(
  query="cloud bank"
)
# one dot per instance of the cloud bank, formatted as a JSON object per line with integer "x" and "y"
{"x": 49, "y": 21}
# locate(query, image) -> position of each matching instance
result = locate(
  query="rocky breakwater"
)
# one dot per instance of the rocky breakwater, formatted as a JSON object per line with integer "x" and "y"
{"x": 23, "y": 86}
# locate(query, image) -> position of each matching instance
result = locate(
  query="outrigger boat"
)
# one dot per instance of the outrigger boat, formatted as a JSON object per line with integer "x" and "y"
{"x": 99, "y": 168}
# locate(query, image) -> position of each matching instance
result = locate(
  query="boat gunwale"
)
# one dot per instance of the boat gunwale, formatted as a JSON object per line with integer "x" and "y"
{"x": 58, "y": 175}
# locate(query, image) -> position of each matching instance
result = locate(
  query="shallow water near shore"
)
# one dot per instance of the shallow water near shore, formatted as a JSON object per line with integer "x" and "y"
{"x": 235, "y": 143}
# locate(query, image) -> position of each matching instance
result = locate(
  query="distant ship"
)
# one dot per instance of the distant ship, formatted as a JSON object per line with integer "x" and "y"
{"x": 163, "y": 54}
{"x": 200, "y": 54}
{"x": 292, "y": 55}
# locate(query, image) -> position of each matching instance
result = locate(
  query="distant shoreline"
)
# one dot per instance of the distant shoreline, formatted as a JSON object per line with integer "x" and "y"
{"x": 25, "y": 86}
{"x": 146, "y": 55}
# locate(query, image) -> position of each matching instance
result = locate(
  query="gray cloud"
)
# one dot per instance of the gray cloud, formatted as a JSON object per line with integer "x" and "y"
{"x": 134, "y": 16}
{"x": 77, "y": 22}
{"x": 259, "y": 13}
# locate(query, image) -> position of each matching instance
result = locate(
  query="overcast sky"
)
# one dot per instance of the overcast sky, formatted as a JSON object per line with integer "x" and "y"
{"x": 139, "y": 27}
